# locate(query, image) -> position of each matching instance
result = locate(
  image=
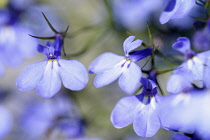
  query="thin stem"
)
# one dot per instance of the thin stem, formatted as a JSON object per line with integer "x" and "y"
{"x": 50, "y": 25}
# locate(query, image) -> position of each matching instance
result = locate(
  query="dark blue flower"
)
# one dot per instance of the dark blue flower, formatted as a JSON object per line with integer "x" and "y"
{"x": 110, "y": 66}
{"x": 141, "y": 110}
{"x": 46, "y": 75}
{"x": 176, "y": 9}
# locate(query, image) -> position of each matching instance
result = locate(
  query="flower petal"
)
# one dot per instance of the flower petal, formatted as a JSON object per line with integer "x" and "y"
{"x": 197, "y": 69}
{"x": 180, "y": 79}
{"x": 182, "y": 45}
{"x": 73, "y": 74}
{"x": 108, "y": 76}
{"x": 147, "y": 123}
{"x": 207, "y": 75}
{"x": 128, "y": 45}
{"x": 104, "y": 62}
{"x": 30, "y": 77}
{"x": 50, "y": 83}
{"x": 140, "y": 54}
{"x": 176, "y": 9}
{"x": 125, "y": 111}
{"x": 135, "y": 44}
{"x": 129, "y": 81}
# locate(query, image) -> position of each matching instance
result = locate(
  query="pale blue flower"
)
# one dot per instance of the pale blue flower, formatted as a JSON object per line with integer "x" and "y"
{"x": 46, "y": 75}
{"x": 109, "y": 67}
{"x": 190, "y": 70}
{"x": 141, "y": 110}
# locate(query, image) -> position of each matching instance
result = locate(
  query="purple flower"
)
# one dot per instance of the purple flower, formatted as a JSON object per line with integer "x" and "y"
{"x": 46, "y": 75}
{"x": 190, "y": 70}
{"x": 110, "y": 66}
{"x": 176, "y": 9}
{"x": 141, "y": 110}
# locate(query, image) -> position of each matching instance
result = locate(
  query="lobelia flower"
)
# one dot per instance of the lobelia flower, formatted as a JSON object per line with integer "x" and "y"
{"x": 45, "y": 75}
{"x": 141, "y": 110}
{"x": 110, "y": 66}
{"x": 176, "y": 9}
{"x": 188, "y": 112}
{"x": 190, "y": 70}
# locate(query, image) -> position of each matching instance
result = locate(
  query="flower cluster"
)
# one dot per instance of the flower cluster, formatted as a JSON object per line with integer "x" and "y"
{"x": 179, "y": 105}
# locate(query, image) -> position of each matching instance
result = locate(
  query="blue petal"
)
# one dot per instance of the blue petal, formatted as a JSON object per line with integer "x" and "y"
{"x": 204, "y": 56}
{"x": 30, "y": 77}
{"x": 180, "y": 79}
{"x": 182, "y": 45}
{"x": 170, "y": 6}
{"x": 42, "y": 49}
{"x": 135, "y": 44}
{"x": 73, "y": 74}
{"x": 129, "y": 81}
{"x": 104, "y": 62}
{"x": 125, "y": 111}
{"x": 127, "y": 43}
{"x": 141, "y": 54}
{"x": 147, "y": 123}
{"x": 58, "y": 45}
{"x": 107, "y": 77}
{"x": 197, "y": 69}
{"x": 146, "y": 82}
{"x": 50, "y": 83}
{"x": 181, "y": 8}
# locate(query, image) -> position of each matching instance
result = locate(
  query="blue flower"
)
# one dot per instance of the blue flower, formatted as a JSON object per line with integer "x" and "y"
{"x": 176, "y": 9}
{"x": 15, "y": 45}
{"x": 110, "y": 66}
{"x": 190, "y": 70}
{"x": 141, "y": 110}
{"x": 187, "y": 112}
{"x": 46, "y": 75}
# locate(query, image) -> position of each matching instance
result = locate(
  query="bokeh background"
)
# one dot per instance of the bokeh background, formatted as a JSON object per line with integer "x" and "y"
{"x": 95, "y": 27}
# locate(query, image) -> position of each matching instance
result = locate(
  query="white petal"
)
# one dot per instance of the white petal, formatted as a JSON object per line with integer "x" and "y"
{"x": 50, "y": 83}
